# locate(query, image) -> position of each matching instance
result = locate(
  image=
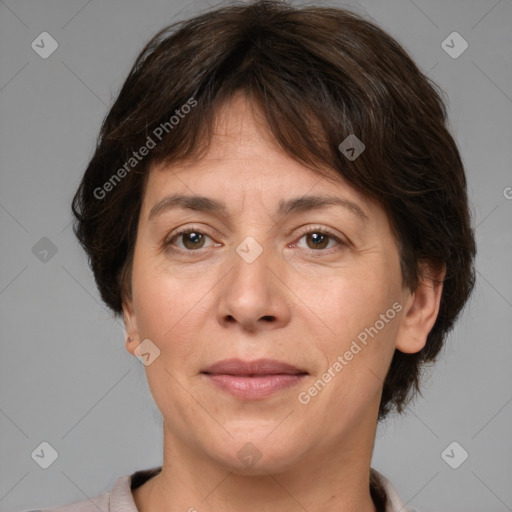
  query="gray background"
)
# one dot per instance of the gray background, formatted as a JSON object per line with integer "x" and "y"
{"x": 65, "y": 376}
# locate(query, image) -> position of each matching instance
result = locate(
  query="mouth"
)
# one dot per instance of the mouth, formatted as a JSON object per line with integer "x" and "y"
{"x": 253, "y": 380}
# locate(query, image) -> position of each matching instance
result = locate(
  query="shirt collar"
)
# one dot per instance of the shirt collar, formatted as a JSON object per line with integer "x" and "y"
{"x": 121, "y": 498}
{"x": 395, "y": 503}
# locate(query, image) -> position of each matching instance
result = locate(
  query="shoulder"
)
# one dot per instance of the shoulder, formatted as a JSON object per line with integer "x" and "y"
{"x": 97, "y": 504}
{"x": 116, "y": 500}
{"x": 394, "y": 502}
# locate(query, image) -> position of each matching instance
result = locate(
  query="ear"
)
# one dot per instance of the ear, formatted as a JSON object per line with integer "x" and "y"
{"x": 421, "y": 309}
{"x": 130, "y": 325}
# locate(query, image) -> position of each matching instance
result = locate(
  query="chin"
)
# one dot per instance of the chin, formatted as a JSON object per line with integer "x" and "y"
{"x": 250, "y": 456}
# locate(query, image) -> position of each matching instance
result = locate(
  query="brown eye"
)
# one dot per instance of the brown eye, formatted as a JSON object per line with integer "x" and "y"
{"x": 188, "y": 240}
{"x": 317, "y": 240}
{"x": 192, "y": 239}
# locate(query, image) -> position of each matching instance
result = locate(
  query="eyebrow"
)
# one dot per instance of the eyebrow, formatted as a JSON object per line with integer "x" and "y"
{"x": 285, "y": 207}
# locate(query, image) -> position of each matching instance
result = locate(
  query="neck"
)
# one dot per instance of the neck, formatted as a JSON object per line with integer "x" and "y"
{"x": 336, "y": 478}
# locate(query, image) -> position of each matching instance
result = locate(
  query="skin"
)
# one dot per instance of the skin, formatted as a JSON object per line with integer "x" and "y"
{"x": 294, "y": 303}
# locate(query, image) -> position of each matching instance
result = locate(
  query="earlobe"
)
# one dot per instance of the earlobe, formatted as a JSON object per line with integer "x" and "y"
{"x": 421, "y": 311}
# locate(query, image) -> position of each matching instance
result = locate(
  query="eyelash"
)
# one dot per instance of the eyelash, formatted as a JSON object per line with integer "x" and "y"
{"x": 314, "y": 229}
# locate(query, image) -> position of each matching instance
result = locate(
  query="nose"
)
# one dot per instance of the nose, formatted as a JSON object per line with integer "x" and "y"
{"x": 254, "y": 295}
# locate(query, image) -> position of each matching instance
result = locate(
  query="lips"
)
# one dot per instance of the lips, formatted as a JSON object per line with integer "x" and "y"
{"x": 252, "y": 380}
{"x": 250, "y": 368}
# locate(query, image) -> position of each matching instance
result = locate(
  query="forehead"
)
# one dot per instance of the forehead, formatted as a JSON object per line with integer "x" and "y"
{"x": 244, "y": 162}
{"x": 240, "y": 133}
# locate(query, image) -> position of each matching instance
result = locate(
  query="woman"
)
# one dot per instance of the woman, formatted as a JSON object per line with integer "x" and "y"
{"x": 278, "y": 211}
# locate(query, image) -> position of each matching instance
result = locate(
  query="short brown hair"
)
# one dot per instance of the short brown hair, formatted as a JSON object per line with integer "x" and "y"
{"x": 319, "y": 74}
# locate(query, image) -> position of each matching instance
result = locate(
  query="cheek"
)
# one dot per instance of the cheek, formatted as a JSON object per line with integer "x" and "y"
{"x": 351, "y": 300}
{"x": 362, "y": 310}
{"x": 169, "y": 311}
{"x": 173, "y": 308}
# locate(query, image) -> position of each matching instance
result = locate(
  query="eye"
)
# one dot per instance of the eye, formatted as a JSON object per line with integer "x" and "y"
{"x": 191, "y": 238}
{"x": 318, "y": 239}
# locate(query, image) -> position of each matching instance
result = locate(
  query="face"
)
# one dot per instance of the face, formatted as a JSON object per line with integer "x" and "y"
{"x": 298, "y": 299}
